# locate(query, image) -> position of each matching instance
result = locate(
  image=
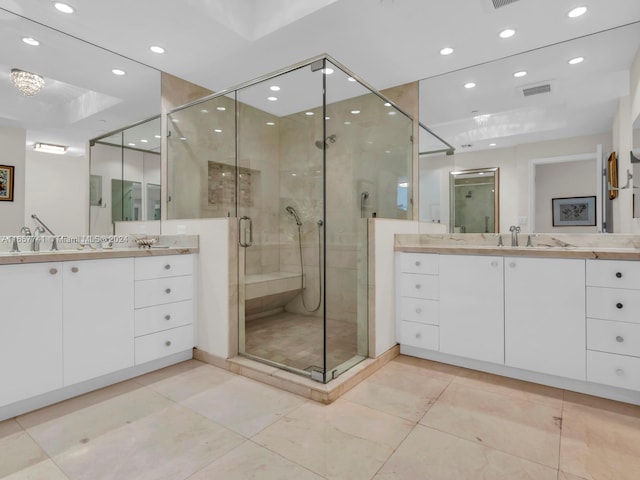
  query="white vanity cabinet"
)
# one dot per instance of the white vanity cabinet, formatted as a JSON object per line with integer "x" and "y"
{"x": 164, "y": 306}
{"x": 472, "y": 307}
{"x": 613, "y": 323}
{"x": 545, "y": 315}
{"x": 30, "y": 330}
{"x": 98, "y": 298}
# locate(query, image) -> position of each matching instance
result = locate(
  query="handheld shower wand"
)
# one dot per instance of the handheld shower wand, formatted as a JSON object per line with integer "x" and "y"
{"x": 292, "y": 211}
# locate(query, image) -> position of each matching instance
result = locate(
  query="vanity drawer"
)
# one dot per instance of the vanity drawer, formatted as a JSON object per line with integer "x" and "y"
{"x": 613, "y": 337}
{"x": 419, "y": 286}
{"x": 163, "y": 317}
{"x": 615, "y": 370}
{"x": 420, "y": 335}
{"x": 162, "y": 344}
{"x": 163, "y": 266}
{"x": 163, "y": 290}
{"x": 613, "y": 273}
{"x": 425, "y": 263}
{"x": 419, "y": 310}
{"x": 613, "y": 304}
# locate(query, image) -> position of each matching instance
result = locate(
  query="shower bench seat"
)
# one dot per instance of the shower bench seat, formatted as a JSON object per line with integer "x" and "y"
{"x": 269, "y": 291}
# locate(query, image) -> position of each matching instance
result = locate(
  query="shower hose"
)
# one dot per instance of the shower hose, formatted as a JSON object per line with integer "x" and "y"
{"x": 304, "y": 304}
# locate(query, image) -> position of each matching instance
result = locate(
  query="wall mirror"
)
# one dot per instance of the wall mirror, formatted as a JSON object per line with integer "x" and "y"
{"x": 523, "y": 110}
{"x": 635, "y": 164}
{"x": 81, "y": 99}
{"x": 474, "y": 203}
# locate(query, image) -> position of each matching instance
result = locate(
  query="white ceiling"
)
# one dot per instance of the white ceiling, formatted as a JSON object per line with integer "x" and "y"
{"x": 222, "y": 43}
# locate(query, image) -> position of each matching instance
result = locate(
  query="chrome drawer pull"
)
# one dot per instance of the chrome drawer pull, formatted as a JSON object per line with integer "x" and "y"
{"x": 619, "y": 305}
{"x": 167, "y": 267}
{"x": 619, "y": 274}
{"x": 53, "y": 271}
{"x": 168, "y": 343}
{"x": 417, "y": 264}
{"x": 619, "y": 372}
{"x": 619, "y": 339}
{"x": 167, "y": 317}
{"x": 168, "y": 290}
{"x": 418, "y": 286}
{"x": 74, "y": 269}
{"x": 418, "y": 311}
{"x": 418, "y": 335}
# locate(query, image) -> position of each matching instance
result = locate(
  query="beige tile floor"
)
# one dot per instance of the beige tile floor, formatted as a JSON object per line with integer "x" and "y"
{"x": 413, "y": 419}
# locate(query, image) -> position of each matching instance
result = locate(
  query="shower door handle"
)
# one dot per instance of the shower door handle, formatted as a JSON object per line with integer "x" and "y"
{"x": 244, "y": 243}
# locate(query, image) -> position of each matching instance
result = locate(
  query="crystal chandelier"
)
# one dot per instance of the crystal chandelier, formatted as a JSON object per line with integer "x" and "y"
{"x": 28, "y": 83}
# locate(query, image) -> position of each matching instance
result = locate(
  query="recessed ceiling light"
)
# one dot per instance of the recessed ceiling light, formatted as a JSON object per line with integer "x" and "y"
{"x": 519, "y": 74}
{"x": 175, "y": 120}
{"x": 131, "y": 144}
{"x": 272, "y": 99}
{"x": 492, "y": 144}
{"x": 507, "y": 33}
{"x": 157, "y": 136}
{"x": 274, "y": 88}
{"x": 446, "y": 51}
{"x": 183, "y": 138}
{"x": 156, "y": 49}
{"x": 308, "y": 113}
{"x": 392, "y": 113}
{"x": 387, "y": 104}
{"x": 117, "y": 71}
{"x": 217, "y": 130}
{"x": 63, "y": 7}
{"x": 204, "y": 110}
{"x": 327, "y": 118}
{"x": 31, "y": 41}
{"x": 577, "y": 12}
{"x": 351, "y": 79}
{"x": 144, "y": 140}
{"x": 270, "y": 123}
{"x": 222, "y": 109}
{"x": 347, "y": 123}
{"x": 576, "y": 60}
{"x": 469, "y": 85}
{"x": 294, "y": 175}
{"x": 327, "y": 71}
{"x": 355, "y": 112}
{"x": 387, "y": 151}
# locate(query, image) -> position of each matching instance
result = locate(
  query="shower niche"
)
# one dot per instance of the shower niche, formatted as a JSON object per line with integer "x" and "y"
{"x": 301, "y": 158}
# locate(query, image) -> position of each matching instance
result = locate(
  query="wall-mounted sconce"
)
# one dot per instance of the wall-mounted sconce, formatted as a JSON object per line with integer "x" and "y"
{"x": 49, "y": 148}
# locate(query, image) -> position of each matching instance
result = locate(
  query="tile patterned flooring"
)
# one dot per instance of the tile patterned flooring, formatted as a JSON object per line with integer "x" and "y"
{"x": 296, "y": 340}
{"x": 413, "y": 419}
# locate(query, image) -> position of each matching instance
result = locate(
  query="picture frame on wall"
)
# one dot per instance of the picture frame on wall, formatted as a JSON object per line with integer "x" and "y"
{"x": 6, "y": 183}
{"x": 574, "y": 211}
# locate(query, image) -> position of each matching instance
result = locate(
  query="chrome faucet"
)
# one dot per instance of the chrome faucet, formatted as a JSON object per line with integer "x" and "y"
{"x": 36, "y": 239}
{"x": 515, "y": 230}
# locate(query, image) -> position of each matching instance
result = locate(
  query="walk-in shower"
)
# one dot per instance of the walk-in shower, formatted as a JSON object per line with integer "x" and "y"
{"x": 291, "y": 170}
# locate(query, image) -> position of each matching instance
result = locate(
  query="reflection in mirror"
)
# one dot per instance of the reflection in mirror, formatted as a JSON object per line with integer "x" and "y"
{"x": 124, "y": 161}
{"x": 556, "y": 110}
{"x": 635, "y": 164}
{"x": 474, "y": 204}
{"x": 78, "y": 102}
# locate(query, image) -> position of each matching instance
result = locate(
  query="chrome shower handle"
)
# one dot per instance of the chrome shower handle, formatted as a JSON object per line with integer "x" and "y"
{"x": 240, "y": 230}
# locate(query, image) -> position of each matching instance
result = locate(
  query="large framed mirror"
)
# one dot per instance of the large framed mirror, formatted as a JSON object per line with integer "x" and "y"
{"x": 524, "y": 112}
{"x": 81, "y": 99}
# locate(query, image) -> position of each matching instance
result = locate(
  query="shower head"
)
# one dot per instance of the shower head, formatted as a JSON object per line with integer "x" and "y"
{"x": 292, "y": 211}
{"x": 330, "y": 139}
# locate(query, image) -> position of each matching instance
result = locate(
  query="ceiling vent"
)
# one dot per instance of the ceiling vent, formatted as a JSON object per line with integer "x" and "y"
{"x": 502, "y": 3}
{"x": 538, "y": 89}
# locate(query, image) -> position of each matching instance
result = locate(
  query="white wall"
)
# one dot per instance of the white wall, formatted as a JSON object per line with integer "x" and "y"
{"x": 558, "y": 180}
{"x": 57, "y": 190}
{"x": 12, "y": 153}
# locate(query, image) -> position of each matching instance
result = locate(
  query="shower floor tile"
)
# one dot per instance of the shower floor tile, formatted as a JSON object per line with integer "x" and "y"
{"x": 296, "y": 340}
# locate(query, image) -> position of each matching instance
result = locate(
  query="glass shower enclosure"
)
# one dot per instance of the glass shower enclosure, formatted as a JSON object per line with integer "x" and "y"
{"x": 302, "y": 158}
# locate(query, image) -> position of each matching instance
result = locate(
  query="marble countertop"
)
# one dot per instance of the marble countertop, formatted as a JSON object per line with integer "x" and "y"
{"x": 606, "y": 247}
{"x": 164, "y": 245}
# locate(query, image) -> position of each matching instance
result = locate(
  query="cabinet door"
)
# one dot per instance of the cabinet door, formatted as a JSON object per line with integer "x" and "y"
{"x": 30, "y": 330}
{"x": 98, "y": 317}
{"x": 471, "y": 307}
{"x": 545, "y": 315}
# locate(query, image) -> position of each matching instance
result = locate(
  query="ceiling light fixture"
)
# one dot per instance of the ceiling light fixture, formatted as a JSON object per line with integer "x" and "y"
{"x": 49, "y": 148}
{"x": 355, "y": 112}
{"x": 157, "y": 136}
{"x": 131, "y": 144}
{"x": 492, "y": 144}
{"x": 351, "y": 79}
{"x": 31, "y": 41}
{"x": 117, "y": 71}
{"x": 274, "y": 88}
{"x": 446, "y": 51}
{"x": 507, "y": 33}
{"x": 222, "y": 109}
{"x": 392, "y": 113}
{"x": 156, "y": 49}
{"x": 327, "y": 71}
{"x": 26, "y": 82}
{"x": 217, "y": 130}
{"x": 469, "y": 85}
{"x": 144, "y": 140}
{"x": 204, "y": 110}
{"x": 308, "y": 113}
{"x": 577, "y": 12}
{"x": 63, "y": 7}
{"x": 270, "y": 124}
{"x": 520, "y": 74}
{"x": 576, "y": 60}
{"x": 272, "y": 99}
